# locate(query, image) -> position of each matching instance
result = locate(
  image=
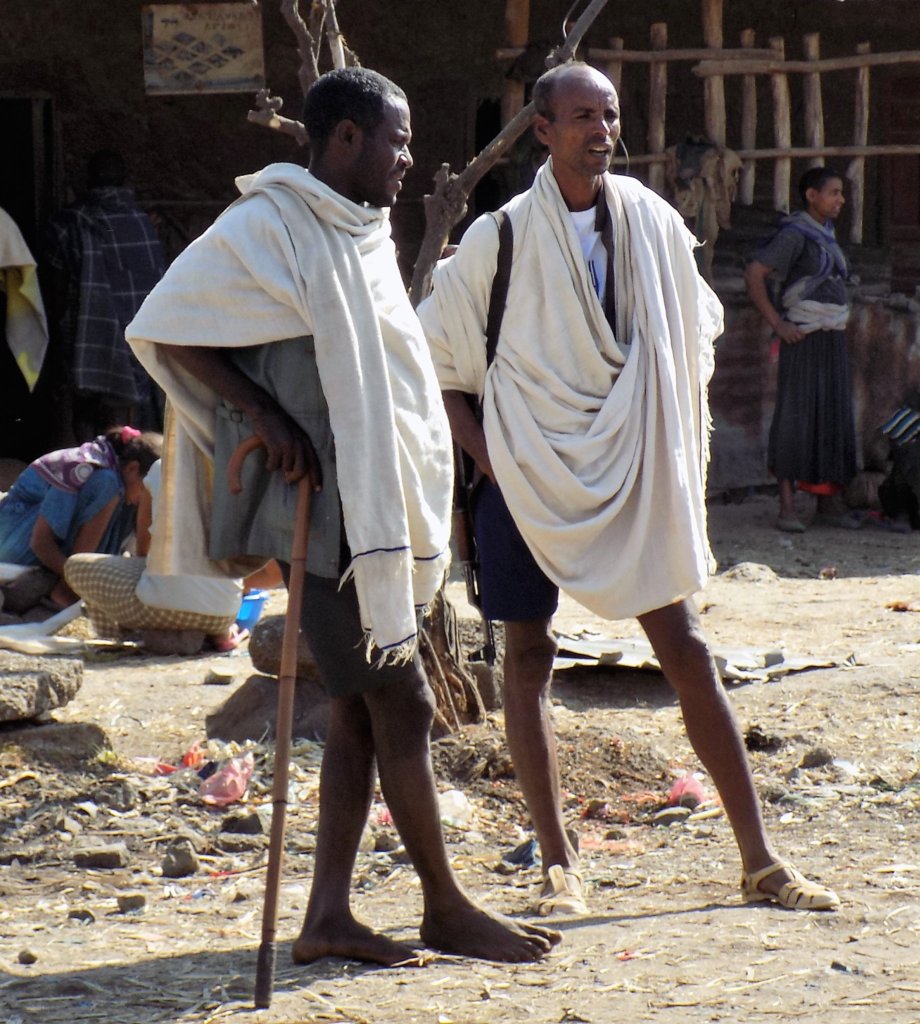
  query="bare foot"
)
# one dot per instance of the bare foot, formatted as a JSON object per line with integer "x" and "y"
{"x": 469, "y": 930}
{"x": 352, "y": 940}
{"x": 62, "y": 596}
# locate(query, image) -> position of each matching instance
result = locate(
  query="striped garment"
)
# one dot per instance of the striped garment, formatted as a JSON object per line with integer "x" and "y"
{"x": 109, "y": 249}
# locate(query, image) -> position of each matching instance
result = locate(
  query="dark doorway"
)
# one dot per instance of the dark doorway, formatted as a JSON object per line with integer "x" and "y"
{"x": 27, "y": 173}
{"x": 28, "y": 423}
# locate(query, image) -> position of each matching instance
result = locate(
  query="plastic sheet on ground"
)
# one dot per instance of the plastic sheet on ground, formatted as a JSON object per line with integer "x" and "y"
{"x": 39, "y": 637}
{"x": 735, "y": 664}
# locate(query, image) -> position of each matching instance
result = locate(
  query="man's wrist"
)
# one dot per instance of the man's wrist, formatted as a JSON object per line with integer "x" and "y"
{"x": 258, "y": 407}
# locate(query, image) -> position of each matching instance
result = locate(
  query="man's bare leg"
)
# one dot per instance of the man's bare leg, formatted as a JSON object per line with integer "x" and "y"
{"x": 528, "y": 668}
{"x": 401, "y": 715}
{"x": 683, "y": 652}
{"x": 345, "y": 794}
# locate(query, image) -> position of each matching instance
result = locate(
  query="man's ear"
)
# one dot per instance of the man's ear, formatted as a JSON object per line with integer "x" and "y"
{"x": 346, "y": 132}
{"x": 541, "y": 128}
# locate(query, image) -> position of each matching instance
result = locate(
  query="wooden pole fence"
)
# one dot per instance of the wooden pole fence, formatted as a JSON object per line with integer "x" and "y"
{"x": 614, "y": 68}
{"x": 713, "y": 64}
{"x": 713, "y": 86}
{"x": 782, "y": 131}
{"x": 856, "y": 171}
{"x": 744, "y": 66}
{"x": 814, "y": 106}
{"x": 657, "y": 100}
{"x": 797, "y": 153}
{"x": 747, "y": 178}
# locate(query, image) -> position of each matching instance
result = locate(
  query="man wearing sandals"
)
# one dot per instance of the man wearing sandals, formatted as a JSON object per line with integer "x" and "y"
{"x": 288, "y": 319}
{"x": 592, "y": 449}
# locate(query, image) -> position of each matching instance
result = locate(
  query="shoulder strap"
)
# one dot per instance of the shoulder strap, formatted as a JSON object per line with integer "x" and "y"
{"x": 499, "y": 294}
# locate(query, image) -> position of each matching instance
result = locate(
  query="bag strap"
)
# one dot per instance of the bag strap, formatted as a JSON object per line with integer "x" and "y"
{"x": 499, "y": 295}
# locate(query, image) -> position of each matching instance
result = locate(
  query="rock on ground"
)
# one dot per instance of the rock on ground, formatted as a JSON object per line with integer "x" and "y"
{"x": 31, "y": 686}
{"x": 59, "y": 743}
{"x": 265, "y": 650}
{"x": 251, "y": 711}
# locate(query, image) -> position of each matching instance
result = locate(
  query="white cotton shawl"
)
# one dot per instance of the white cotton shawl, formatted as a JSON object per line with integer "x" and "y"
{"x": 600, "y": 449}
{"x": 294, "y": 257}
{"x": 810, "y": 315}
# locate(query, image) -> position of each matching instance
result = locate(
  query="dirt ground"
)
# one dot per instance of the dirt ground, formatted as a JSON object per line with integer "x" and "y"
{"x": 836, "y": 755}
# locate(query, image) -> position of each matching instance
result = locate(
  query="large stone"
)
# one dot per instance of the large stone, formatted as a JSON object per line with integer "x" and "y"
{"x": 250, "y": 712}
{"x": 180, "y": 860}
{"x": 265, "y": 650}
{"x": 102, "y": 855}
{"x": 33, "y": 685}
{"x": 58, "y": 743}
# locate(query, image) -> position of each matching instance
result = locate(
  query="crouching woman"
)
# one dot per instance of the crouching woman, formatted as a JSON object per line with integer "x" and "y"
{"x": 76, "y": 500}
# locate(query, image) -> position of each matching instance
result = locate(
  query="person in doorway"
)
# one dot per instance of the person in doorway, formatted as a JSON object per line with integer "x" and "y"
{"x": 104, "y": 256}
{"x": 812, "y": 442}
{"x": 592, "y": 452}
{"x": 288, "y": 319}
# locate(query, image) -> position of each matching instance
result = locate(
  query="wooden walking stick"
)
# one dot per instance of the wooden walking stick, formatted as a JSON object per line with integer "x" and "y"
{"x": 265, "y": 963}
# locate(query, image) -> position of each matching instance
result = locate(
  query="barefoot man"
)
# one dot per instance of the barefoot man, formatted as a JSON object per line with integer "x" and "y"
{"x": 288, "y": 319}
{"x": 592, "y": 451}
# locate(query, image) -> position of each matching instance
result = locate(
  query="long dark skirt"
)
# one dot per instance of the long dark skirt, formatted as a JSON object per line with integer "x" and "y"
{"x": 812, "y": 437}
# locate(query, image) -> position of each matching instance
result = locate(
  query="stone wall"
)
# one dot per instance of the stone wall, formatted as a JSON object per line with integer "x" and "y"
{"x": 884, "y": 346}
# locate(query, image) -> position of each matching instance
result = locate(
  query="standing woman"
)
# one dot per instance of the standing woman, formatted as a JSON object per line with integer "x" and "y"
{"x": 812, "y": 438}
{"x": 76, "y": 500}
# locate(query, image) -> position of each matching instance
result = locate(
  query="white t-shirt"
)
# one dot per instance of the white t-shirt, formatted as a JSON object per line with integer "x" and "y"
{"x": 592, "y": 246}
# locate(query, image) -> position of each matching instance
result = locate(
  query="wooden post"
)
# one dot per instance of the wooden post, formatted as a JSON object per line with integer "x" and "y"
{"x": 657, "y": 105}
{"x": 814, "y": 108}
{"x": 714, "y": 86}
{"x": 517, "y": 27}
{"x": 748, "y": 176}
{"x": 856, "y": 172}
{"x": 614, "y": 68}
{"x": 782, "y": 130}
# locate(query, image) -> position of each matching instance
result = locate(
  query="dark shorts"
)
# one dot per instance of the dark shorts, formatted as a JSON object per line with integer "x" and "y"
{"x": 513, "y": 587}
{"x": 331, "y": 625}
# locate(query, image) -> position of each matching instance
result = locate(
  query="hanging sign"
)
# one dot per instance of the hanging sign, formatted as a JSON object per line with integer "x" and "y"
{"x": 202, "y": 48}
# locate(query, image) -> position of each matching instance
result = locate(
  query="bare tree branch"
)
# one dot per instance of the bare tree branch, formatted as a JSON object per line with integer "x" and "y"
{"x": 317, "y": 19}
{"x": 307, "y": 46}
{"x": 266, "y": 114}
{"x": 334, "y": 37}
{"x": 567, "y": 50}
{"x": 309, "y": 42}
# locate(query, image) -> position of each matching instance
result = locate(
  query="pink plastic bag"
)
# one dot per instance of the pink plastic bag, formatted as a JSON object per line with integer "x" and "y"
{"x": 687, "y": 791}
{"x": 229, "y": 782}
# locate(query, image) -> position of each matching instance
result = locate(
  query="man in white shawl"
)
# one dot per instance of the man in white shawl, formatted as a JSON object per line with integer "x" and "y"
{"x": 288, "y": 319}
{"x": 592, "y": 451}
